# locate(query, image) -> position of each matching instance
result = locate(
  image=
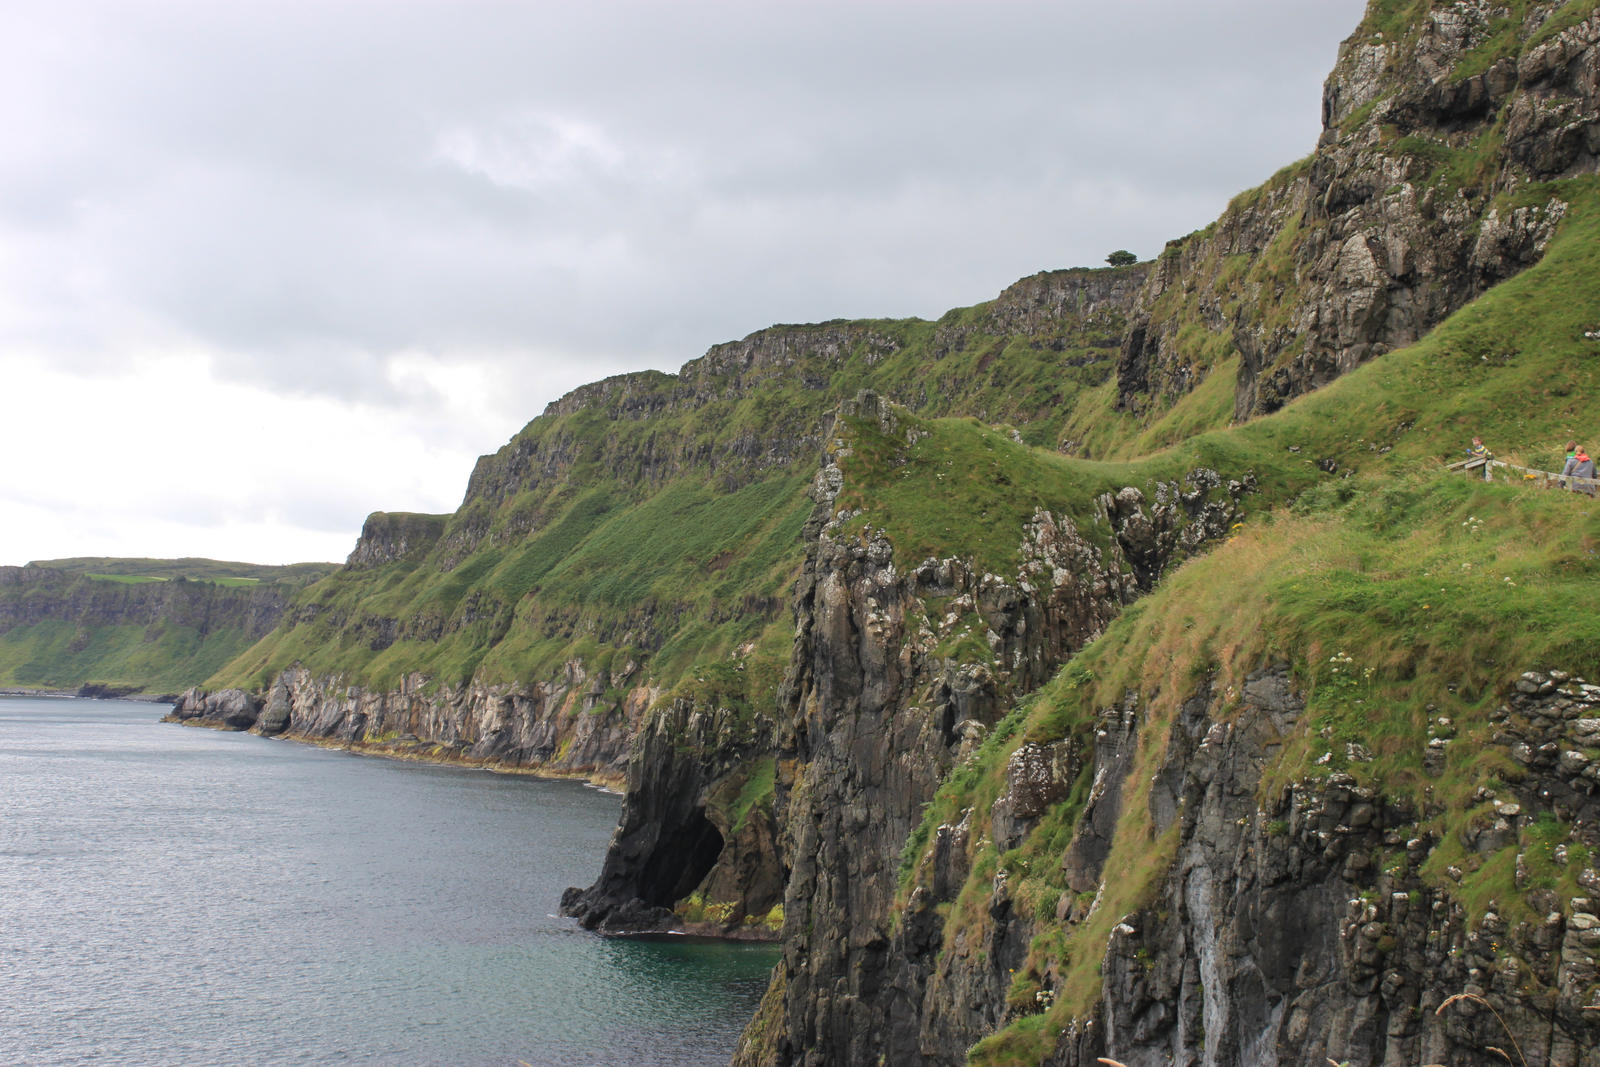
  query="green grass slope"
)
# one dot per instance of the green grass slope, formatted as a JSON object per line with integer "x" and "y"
{"x": 704, "y": 573}
{"x": 59, "y": 654}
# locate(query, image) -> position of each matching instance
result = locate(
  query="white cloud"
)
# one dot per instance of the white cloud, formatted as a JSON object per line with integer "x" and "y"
{"x": 118, "y": 463}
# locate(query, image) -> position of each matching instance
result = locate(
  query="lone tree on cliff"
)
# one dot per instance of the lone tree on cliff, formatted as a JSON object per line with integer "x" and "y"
{"x": 1121, "y": 258}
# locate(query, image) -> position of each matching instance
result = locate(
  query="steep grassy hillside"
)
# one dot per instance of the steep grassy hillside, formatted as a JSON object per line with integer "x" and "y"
{"x": 654, "y": 519}
{"x": 1449, "y": 128}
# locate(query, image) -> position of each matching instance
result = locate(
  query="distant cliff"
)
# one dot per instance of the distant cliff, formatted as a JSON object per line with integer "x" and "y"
{"x": 130, "y": 626}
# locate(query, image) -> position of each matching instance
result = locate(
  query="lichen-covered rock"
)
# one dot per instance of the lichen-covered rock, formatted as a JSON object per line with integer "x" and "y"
{"x": 1038, "y": 776}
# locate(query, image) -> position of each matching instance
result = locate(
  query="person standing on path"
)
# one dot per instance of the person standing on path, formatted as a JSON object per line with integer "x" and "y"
{"x": 1580, "y": 466}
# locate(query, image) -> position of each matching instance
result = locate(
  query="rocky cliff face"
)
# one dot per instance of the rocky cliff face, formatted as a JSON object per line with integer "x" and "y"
{"x": 812, "y": 368}
{"x": 1300, "y": 930}
{"x": 388, "y": 537}
{"x": 806, "y": 356}
{"x": 1422, "y": 193}
{"x": 684, "y": 835}
{"x": 1292, "y": 926}
{"x": 573, "y": 726}
{"x": 1291, "y": 931}
{"x": 61, "y": 629}
{"x": 872, "y": 718}
{"x": 746, "y": 411}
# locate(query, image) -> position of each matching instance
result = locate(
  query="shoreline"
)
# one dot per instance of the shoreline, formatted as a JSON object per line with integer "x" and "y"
{"x": 426, "y": 752}
{"x": 94, "y": 692}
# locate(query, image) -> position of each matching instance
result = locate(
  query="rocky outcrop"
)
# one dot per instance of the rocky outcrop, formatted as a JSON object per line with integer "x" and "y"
{"x": 228, "y": 709}
{"x": 1395, "y": 221}
{"x": 390, "y": 536}
{"x": 540, "y": 456}
{"x": 1058, "y": 309}
{"x": 683, "y": 833}
{"x": 873, "y": 717}
{"x": 1040, "y": 305}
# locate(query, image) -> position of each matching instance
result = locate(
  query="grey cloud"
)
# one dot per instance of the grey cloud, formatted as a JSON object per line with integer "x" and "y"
{"x": 308, "y": 189}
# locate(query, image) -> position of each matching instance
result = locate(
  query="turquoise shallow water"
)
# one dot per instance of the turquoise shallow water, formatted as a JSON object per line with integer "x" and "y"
{"x": 179, "y": 896}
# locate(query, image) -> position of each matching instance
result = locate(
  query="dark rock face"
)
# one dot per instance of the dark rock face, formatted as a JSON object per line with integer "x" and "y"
{"x": 1185, "y": 516}
{"x": 1375, "y": 251}
{"x": 673, "y": 839}
{"x": 1277, "y": 937}
{"x": 873, "y": 720}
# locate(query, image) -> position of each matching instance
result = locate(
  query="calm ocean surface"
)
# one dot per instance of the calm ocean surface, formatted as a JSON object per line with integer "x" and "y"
{"x": 178, "y": 896}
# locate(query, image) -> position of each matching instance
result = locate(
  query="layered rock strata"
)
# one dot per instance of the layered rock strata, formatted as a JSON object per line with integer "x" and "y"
{"x": 33, "y": 595}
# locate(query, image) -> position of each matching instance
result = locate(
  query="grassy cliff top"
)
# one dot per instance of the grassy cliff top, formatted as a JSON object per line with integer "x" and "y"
{"x": 191, "y": 568}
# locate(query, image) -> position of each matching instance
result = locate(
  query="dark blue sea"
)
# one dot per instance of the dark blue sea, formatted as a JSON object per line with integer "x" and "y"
{"x": 174, "y": 896}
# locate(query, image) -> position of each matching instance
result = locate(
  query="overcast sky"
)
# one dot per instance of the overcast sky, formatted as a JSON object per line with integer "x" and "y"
{"x": 267, "y": 267}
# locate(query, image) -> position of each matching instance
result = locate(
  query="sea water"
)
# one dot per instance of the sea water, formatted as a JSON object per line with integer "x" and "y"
{"x": 172, "y": 896}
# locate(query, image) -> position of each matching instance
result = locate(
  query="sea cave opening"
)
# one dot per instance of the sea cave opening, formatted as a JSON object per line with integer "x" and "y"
{"x": 683, "y": 856}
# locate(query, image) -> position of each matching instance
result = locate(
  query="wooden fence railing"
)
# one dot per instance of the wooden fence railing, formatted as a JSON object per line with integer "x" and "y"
{"x": 1514, "y": 473}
